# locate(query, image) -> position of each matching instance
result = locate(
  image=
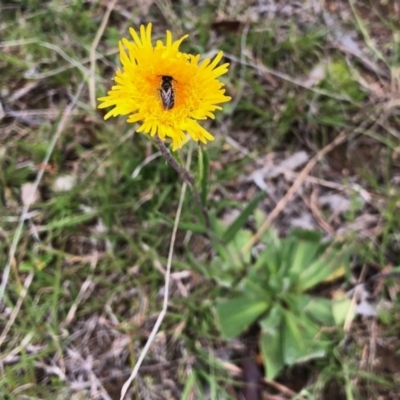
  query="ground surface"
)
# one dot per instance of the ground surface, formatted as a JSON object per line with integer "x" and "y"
{"x": 316, "y": 104}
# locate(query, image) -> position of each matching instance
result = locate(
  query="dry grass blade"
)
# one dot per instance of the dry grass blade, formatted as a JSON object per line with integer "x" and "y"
{"x": 17, "y": 307}
{"x": 99, "y": 34}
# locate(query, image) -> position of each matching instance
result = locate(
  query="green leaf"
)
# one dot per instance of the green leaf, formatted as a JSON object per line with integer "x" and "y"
{"x": 256, "y": 285}
{"x": 294, "y": 346}
{"x": 237, "y": 258}
{"x": 221, "y": 271}
{"x": 307, "y": 235}
{"x": 299, "y": 341}
{"x": 270, "y": 257}
{"x": 284, "y": 257}
{"x": 231, "y": 253}
{"x": 340, "y": 309}
{"x": 303, "y": 255}
{"x": 238, "y": 223}
{"x": 319, "y": 310}
{"x": 271, "y": 343}
{"x": 327, "y": 264}
{"x": 235, "y": 315}
{"x": 271, "y": 350}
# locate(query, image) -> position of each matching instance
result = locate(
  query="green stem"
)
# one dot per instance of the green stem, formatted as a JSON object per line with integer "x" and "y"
{"x": 186, "y": 176}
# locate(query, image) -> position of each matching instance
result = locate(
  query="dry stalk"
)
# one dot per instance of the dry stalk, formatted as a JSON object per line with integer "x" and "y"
{"x": 93, "y": 47}
{"x": 163, "y": 312}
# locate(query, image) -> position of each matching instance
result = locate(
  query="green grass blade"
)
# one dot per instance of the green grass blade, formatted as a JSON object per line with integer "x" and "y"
{"x": 238, "y": 223}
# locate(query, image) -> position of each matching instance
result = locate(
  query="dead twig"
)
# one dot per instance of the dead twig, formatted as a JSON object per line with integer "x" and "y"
{"x": 292, "y": 190}
{"x": 312, "y": 204}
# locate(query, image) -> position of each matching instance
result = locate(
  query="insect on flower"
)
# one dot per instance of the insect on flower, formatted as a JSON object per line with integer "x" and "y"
{"x": 167, "y": 92}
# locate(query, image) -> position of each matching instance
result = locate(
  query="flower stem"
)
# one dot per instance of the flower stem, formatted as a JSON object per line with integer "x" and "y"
{"x": 186, "y": 176}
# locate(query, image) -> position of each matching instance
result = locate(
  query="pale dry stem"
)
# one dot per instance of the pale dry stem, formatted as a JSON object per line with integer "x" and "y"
{"x": 93, "y": 47}
{"x": 163, "y": 312}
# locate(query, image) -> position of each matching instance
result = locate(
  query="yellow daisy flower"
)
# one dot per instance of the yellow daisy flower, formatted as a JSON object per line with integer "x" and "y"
{"x": 165, "y": 90}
